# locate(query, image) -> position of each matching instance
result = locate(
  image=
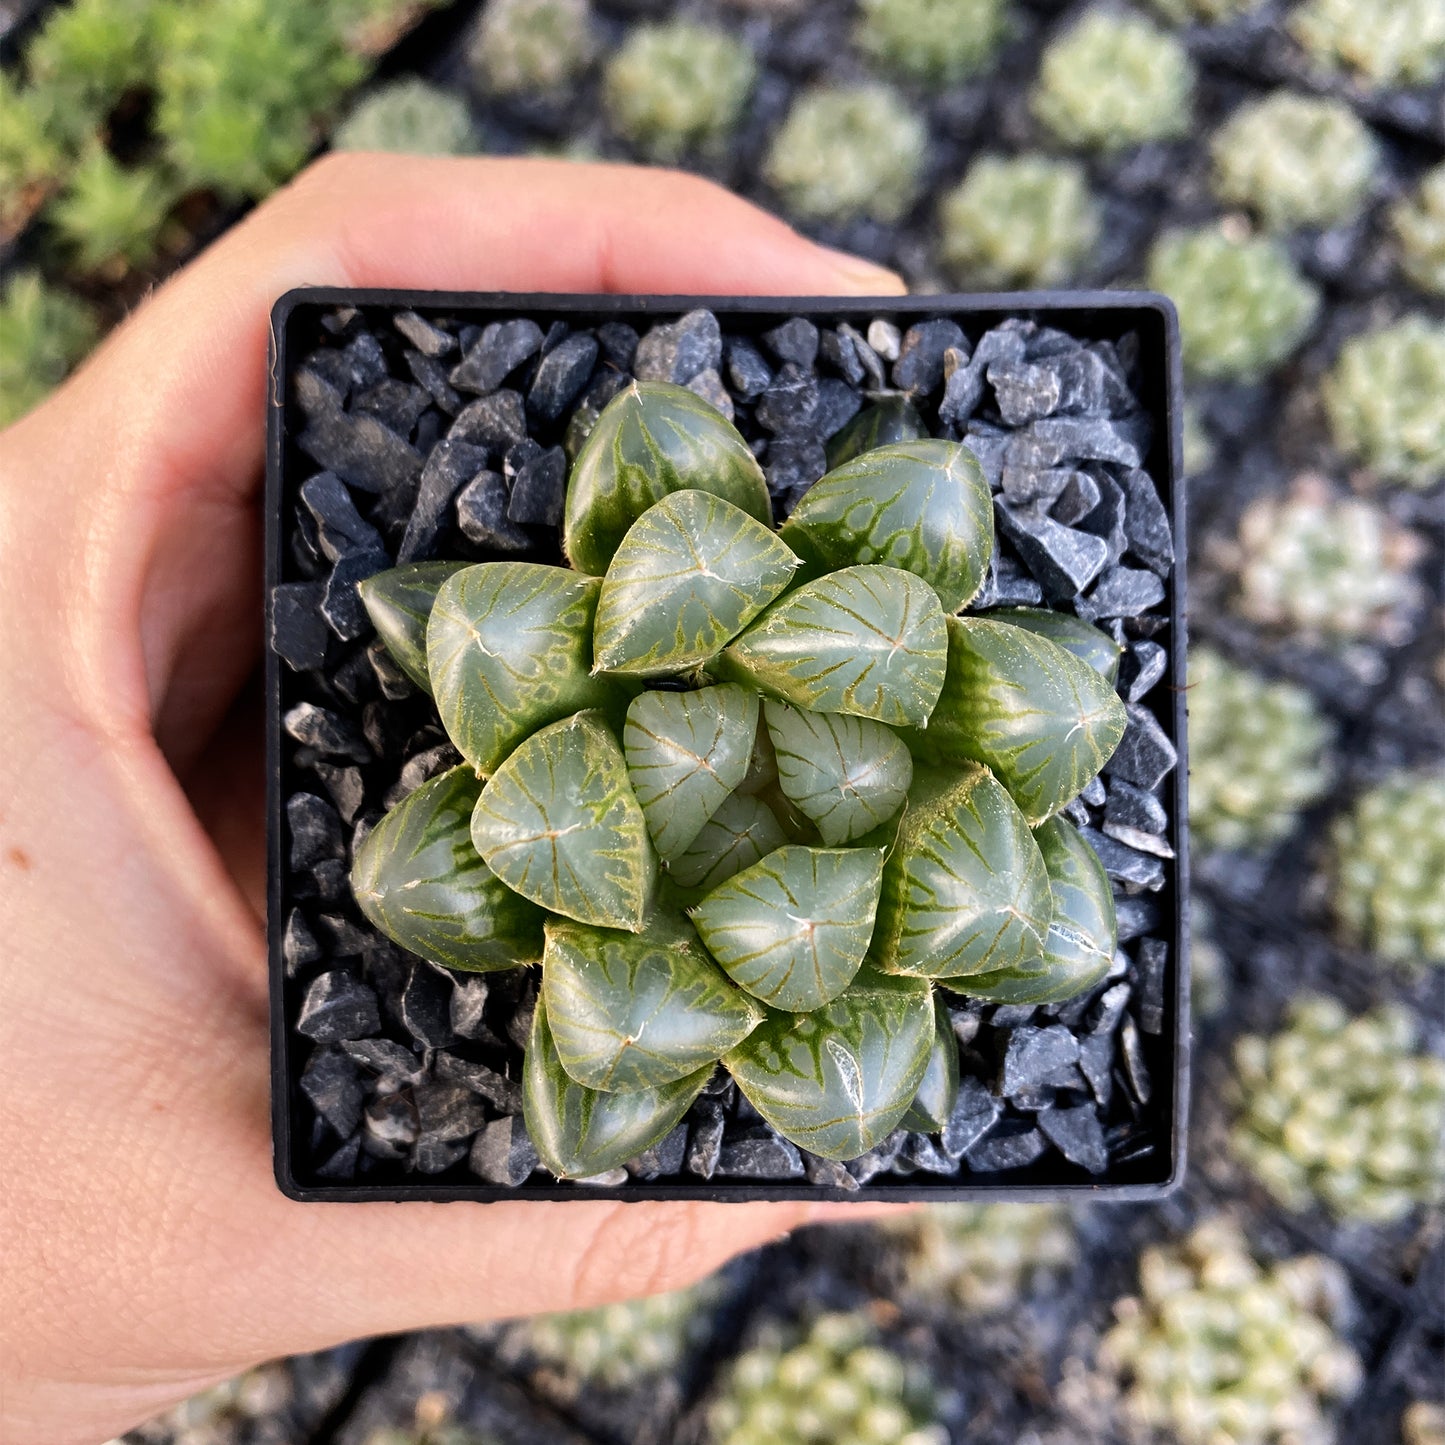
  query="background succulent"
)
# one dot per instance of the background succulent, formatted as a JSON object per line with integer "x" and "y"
{"x": 935, "y": 41}
{"x": 410, "y": 116}
{"x": 1209, "y": 12}
{"x": 522, "y": 46}
{"x": 1423, "y": 1424}
{"x": 1419, "y": 222}
{"x": 1384, "y": 42}
{"x": 111, "y": 216}
{"x": 1346, "y": 1111}
{"x": 43, "y": 332}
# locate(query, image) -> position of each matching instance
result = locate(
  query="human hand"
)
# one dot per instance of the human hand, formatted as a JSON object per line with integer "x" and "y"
{"x": 147, "y": 1250}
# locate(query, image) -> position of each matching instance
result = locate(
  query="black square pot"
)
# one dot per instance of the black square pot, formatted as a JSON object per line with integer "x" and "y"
{"x": 1147, "y": 1142}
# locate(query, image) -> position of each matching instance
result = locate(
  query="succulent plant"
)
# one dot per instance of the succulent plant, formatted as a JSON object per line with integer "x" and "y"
{"x": 1018, "y": 221}
{"x": 938, "y": 42}
{"x": 524, "y": 47}
{"x": 109, "y": 216}
{"x": 1295, "y": 160}
{"x": 678, "y": 86}
{"x": 832, "y": 1382}
{"x": 1111, "y": 81}
{"x": 1419, "y": 222}
{"x": 785, "y": 905}
{"x": 848, "y": 151}
{"x": 44, "y": 331}
{"x": 982, "y": 1257}
{"x": 1199, "y": 448}
{"x": 1342, "y": 1110}
{"x": 1219, "y": 1347}
{"x": 1323, "y": 565}
{"x": 1257, "y": 755}
{"x": 410, "y": 116}
{"x": 32, "y": 157}
{"x": 1384, "y": 42}
{"x": 1389, "y": 858}
{"x": 1243, "y": 307}
{"x": 1385, "y": 401}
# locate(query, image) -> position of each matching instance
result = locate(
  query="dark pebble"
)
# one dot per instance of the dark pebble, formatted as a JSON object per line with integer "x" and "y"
{"x": 562, "y": 373}
{"x": 663, "y": 1159}
{"x": 1012, "y": 1015}
{"x": 391, "y": 1126}
{"x": 1077, "y": 1134}
{"x": 793, "y": 465}
{"x": 879, "y": 1159}
{"x": 325, "y": 732}
{"x": 298, "y": 943}
{"x": 704, "y": 1145}
{"x": 1153, "y": 961}
{"x": 425, "y": 1006}
{"x": 919, "y": 368}
{"x": 345, "y": 787}
{"x": 341, "y": 1164}
{"x": 767, "y": 1157}
{"x": 1123, "y": 440}
{"x": 1145, "y": 756}
{"x": 1140, "y": 668}
{"x": 482, "y": 515}
{"x": 340, "y": 528}
{"x": 1007, "y": 584}
{"x": 469, "y": 1002}
{"x": 452, "y": 464}
{"x": 344, "y": 939}
{"x": 394, "y": 1065}
{"x": 922, "y": 1153}
{"x": 1136, "y": 1072}
{"x": 1106, "y": 1013}
{"x": 501, "y": 348}
{"x": 1122, "y": 592}
{"x": 1023, "y": 484}
{"x": 364, "y": 360}
{"x": 709, "y": 386}
{"x": 1063, "y": 560}
{"x": 838, "y": 404}
{"x": 331, "y": 1081}
{"x": 540, "y": 488}
{"x": 874, "y": 373}
{"x": 617, "y": 342}
{"x": 1146, "y": 523}
{"x": 314, "y": 830}
{"x": 827, "y": 1174}
{"x": 796, "y": 340}
{"x": 976, "y": 1112}
{"x": 1012, "y": 1148}
{"x": 496, "y": 422}
{"x": 299, "y": 634}
{"x": 1136, "y": 917}
{"x": 499, "y": 1091}
{"x": 1092, "y": 383}
{"x": 331, "y": 879}
{"x": 1125, "y": 864}
{"x": 436, "y": 1156}
{"x": 392, "y": 681}
{"x": 341, "y": 604}
{"x": 990, "y": 446}
{"x": 676, "y": 352}
{"x": 1107, "y": 519}
{"x": 428, "y": 339}
{"x": 336, "y": 1006}
{"x": 1024, "y": 392}
{"x": 360, "y": 449}
{"x": 1078, "y": 497}
{"x": 447, "y": 1112}
{"x": 1038, "y": 1058}
{"x": 431, "y": 376}
{"x": 1134, "y": 808}
{"x": 749, "y": 373}
{"x": 517, "y": 457}
{"x": 1094, "y": 794}
{"x": 790, "y": 402}
{"x": 397, "y": 405}
{"x": 1096, "y": 1061}
{"x": 838, "y": 351}
{"x": 962, "y": 393}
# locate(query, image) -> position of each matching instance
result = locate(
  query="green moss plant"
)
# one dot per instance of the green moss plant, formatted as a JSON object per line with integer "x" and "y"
{"x": 410, "y": 116}
{"x": 1383, "y": 43}
{"x": 531, "y": 47}
{"x": 935, "y": 42}
{"x": 110, "y": 217}
{"x": 44, "y": 331}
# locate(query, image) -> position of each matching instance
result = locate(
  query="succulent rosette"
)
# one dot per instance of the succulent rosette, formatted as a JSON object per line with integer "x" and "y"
{"x": 746, "y": 796}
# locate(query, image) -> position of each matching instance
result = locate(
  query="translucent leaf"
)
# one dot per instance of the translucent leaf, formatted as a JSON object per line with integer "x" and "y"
{"x": 690, "y": 575}
{"x": 399, "y": 602}
{"x": 846, "y": 774}
{"x": 869, "y": 641}
{"x": 923, "y": 506}
{"x": 893, "y": 419}
{"x": 420, "y": 881}
{"x": 579, "y": 1131}
{"x": 635, "y": 1012}
{"x": 686, "y": 751}
{"x": 1088, "y": 643}
{"x": 559, "y": 824}
{"x": 509, "y": 648}
{"x": 838, "y": 1080}
{"x": 964, "y": 889}
{"x": 652, "y": 439}
{"x": 1043, "y": 721}
{"x": 937, "y": 1094}
{"x": 735, "y": 837}
{"x": 793, "y": 928}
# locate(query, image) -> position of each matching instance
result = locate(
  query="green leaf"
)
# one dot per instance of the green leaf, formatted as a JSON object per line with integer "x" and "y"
{"x": 690, "y": 575}
{"x": 846, "y": 774}
{"x": 964, "y": 889}
{"x": 923, "y": 506}
{"x": 1088, "y": 643}
{"x": 652, "y": 439}
{"x": 893, "y": 419}
{"x": 634, "y": 1012}
{"x": 686, "y": 751}
{"x": 735, "y": 837}
{"x": 937, "y": 1094}
{"x": 509, "y": 648}
{"x": 793, "y": 928}
{"x": 420, "y": 881}
{"x": 559, "y": 823}
{"x": 868, "y": 641}
{"x": 399, "y": 602}
{"x": 1043, "y": 721}
{"x": 578, "y": 1131}
{"x": 837, "y": 1081}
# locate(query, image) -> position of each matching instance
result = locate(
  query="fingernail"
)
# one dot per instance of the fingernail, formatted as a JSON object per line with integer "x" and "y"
{"x": 865, "y": 277}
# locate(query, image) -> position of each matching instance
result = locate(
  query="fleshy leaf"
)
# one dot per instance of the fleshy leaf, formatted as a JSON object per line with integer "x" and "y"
{"x": 893, "y": 419}
{"x": 692, "y": 572}
{"x": 509, "y": 648}
{"x": 420, "y": 881}
{"x": 937, "y": 1094}
{"x": 740, "y": 832}
{"x": 922, "y": 505}
{"x": 686, "y": 751}
{"x": 1043, "y": 721}
{"x": 579, "y": 1131}
{"x": 634, "y": 1012}
{"x": 868, "y": 641}
{"x": 846, "y": 774}
{"x": 838, "y": 1080}
{"x": 399, "y": 602}
{"x": 793, "y": 928}
{"x": 652, "y": 439}
{"x": 964, "y": 889}
{"x": 1088, "y": 643}
{"x": 559, "y": 824}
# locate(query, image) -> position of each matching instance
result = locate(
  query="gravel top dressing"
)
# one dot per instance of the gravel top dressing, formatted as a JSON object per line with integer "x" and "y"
{"x": 432, "y": 429}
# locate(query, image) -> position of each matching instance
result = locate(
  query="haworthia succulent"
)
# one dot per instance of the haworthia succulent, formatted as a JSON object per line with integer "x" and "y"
{"x": 933, "y": 1103}
{"x": 420, "y": 881}
{"x": 740, "y": 832}
{"x": 559, "y": 824}
{"x": 629, "y": 1012}
{"x": 793, "y": 928}
{"x": 509, "y": 649}
{"x": 686, "y": 751}
{"x": 922, "y": 505}
{"x": 846, "y": 774}
{"x": 965, "y": 890}
{"x": 838, "y": 1080}
{"x": 579, "y": 1131}
{"x": 1043, "y": 721}
{"x": 869, "y": 641}
{"x": 692, "y": 572}
{"x": 399, "y": 603}
{"x": 1088, "y": 643}
{"x": 652, "y": 439}
{"x": 892, "y": 419}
